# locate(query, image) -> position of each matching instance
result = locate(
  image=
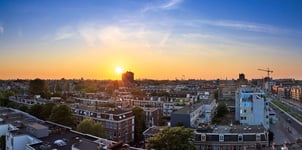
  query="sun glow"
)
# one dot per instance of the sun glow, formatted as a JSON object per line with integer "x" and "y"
{"x": 118, "y": 70}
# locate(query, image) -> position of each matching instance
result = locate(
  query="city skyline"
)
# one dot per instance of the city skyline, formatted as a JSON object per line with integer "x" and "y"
{"x": 163, "y": 39}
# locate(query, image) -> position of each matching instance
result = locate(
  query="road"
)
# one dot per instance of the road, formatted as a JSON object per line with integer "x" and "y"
{"x": 293, "y": 105}
{"x": 286, "y": 129}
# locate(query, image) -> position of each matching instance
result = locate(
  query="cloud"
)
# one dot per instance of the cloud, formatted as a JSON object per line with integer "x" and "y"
{"x": 66, "y": 32}
{"x": 171, "y": 4}
{"x": 246, "y": 26}
{"x": 1, "y": 29}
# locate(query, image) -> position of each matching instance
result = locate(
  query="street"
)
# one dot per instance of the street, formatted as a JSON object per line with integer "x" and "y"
{"x": 286, "y": 129}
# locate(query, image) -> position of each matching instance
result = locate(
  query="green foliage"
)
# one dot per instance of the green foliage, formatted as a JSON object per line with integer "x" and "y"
{"x": 2, "y": 142}
{"x": 4, "y": 102}
{"x": 221, "y": 109}
{"x": 62, "y": 115}
{"x": 39, "y": 87}
{"x": 179, "y": 124}
{"x": 36, "y": 110}
{"x": 47, "y": 109}
{"x": 90, "y": 127}
{"x": 140, "y": 124}
{"x": 172, "y": 138}
{"x": 23, "y": 108}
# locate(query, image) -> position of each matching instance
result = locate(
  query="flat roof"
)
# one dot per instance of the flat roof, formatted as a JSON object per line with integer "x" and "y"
{"x": 37, "y": 126}
{"x": 188, "y": 109}
{"x": 232, "y": 129}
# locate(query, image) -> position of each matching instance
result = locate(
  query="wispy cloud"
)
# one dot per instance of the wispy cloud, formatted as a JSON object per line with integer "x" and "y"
{"x": 1, "y": 29}
{"x": 246, "y": 26}
{"x": 64, "y": 33}
{"x": 167, "y": 5}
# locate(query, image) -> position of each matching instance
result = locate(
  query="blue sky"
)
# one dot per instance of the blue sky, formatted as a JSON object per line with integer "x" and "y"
{"x": 195, "y": 38}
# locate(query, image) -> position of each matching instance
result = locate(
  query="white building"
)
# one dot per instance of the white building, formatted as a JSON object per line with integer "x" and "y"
{"x": 251, "y": 107}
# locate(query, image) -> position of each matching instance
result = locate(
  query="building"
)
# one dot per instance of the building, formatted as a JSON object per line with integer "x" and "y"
{"x": 170, "y": 107}
{"x": 227, "y": 89}
{"x": 188, "y": 116}
{"x": 296, "y": 93}
{"x": 128, "y": 77}
{"x": 152, "y": 116}
{"x": 25, "y": 132}
{"x": 27, "y": 100}
{"x": 242, "y": 80}
{"x": 118, "y": 123}
{"x": 230, "y": 137}
{"x": 251, "y": 107}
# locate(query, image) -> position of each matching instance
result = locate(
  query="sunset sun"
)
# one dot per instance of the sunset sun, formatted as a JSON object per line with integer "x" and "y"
{"x": 118, "y": 70}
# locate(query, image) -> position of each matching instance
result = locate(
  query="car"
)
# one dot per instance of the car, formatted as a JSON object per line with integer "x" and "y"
{"x": 288, "y": 120}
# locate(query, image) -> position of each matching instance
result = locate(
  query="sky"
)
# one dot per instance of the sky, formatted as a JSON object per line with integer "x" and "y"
{"x": 155, "y": 39}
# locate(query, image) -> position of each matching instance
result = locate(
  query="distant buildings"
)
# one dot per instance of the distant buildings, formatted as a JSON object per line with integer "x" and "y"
{"x": 251, "y": 107}
{"x": 128, "y": 77}
{"x": 296, "y": 93}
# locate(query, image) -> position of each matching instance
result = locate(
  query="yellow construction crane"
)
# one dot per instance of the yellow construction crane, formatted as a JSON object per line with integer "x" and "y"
{"x": 267, "y": 70}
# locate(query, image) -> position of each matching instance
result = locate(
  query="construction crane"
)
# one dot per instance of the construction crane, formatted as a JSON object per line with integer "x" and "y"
{"x": 267, "y": 70}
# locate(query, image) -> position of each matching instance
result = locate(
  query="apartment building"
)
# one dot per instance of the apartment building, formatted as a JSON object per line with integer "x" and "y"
{"x": 152, "y": 116}
{"x": 296, "y": 93}
{"x": 28, "y": 100}
{"x": 25, "y": 132}
{"x": 230, "y": 137}
{"x": 251, "y": 107}
{"x": 188, "y": 116}
{"x": 118, "y": 123}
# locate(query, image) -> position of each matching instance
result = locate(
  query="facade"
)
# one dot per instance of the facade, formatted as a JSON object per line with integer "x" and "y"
{"x": 152, "y": 116}
{"x": 227, "y": 90}
{"x": 170, "y": 107}
{"x": 188, "y": 116}
{"x": 29, "y": 101}
{"x": 25, "y": 132}
{"x": 251, "y": 107}
{"x": 296, "y": 93}
{"x": 118, "y": 123}
{"x": 230, "y": 137}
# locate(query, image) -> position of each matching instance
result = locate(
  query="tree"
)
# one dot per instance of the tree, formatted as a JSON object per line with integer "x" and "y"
{"x": 46, "y": 111}
{"x": 99, "y": 130}
{"x": 221, "y": 109}
{"x": 23, "y": 108}
{"x": 172, "y": 138}
{"x": 140, "y": 124}
{"x": 90, "y": 127}
{"x": 4, "y": 102}
{"x": 36, "y": 110}
{"x": 62, "y": 115}
{"x": 38, "y": 87}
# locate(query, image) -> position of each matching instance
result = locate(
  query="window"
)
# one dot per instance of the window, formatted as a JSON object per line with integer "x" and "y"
{"x": 221, "y": 137}
{"x": 240, "y": 137}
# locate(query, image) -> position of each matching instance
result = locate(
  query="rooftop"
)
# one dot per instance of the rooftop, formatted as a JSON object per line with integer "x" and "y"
{"x": 60, "y": 137}
{"x": 231, "y": 129}
{"x": 188, "y": 109}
